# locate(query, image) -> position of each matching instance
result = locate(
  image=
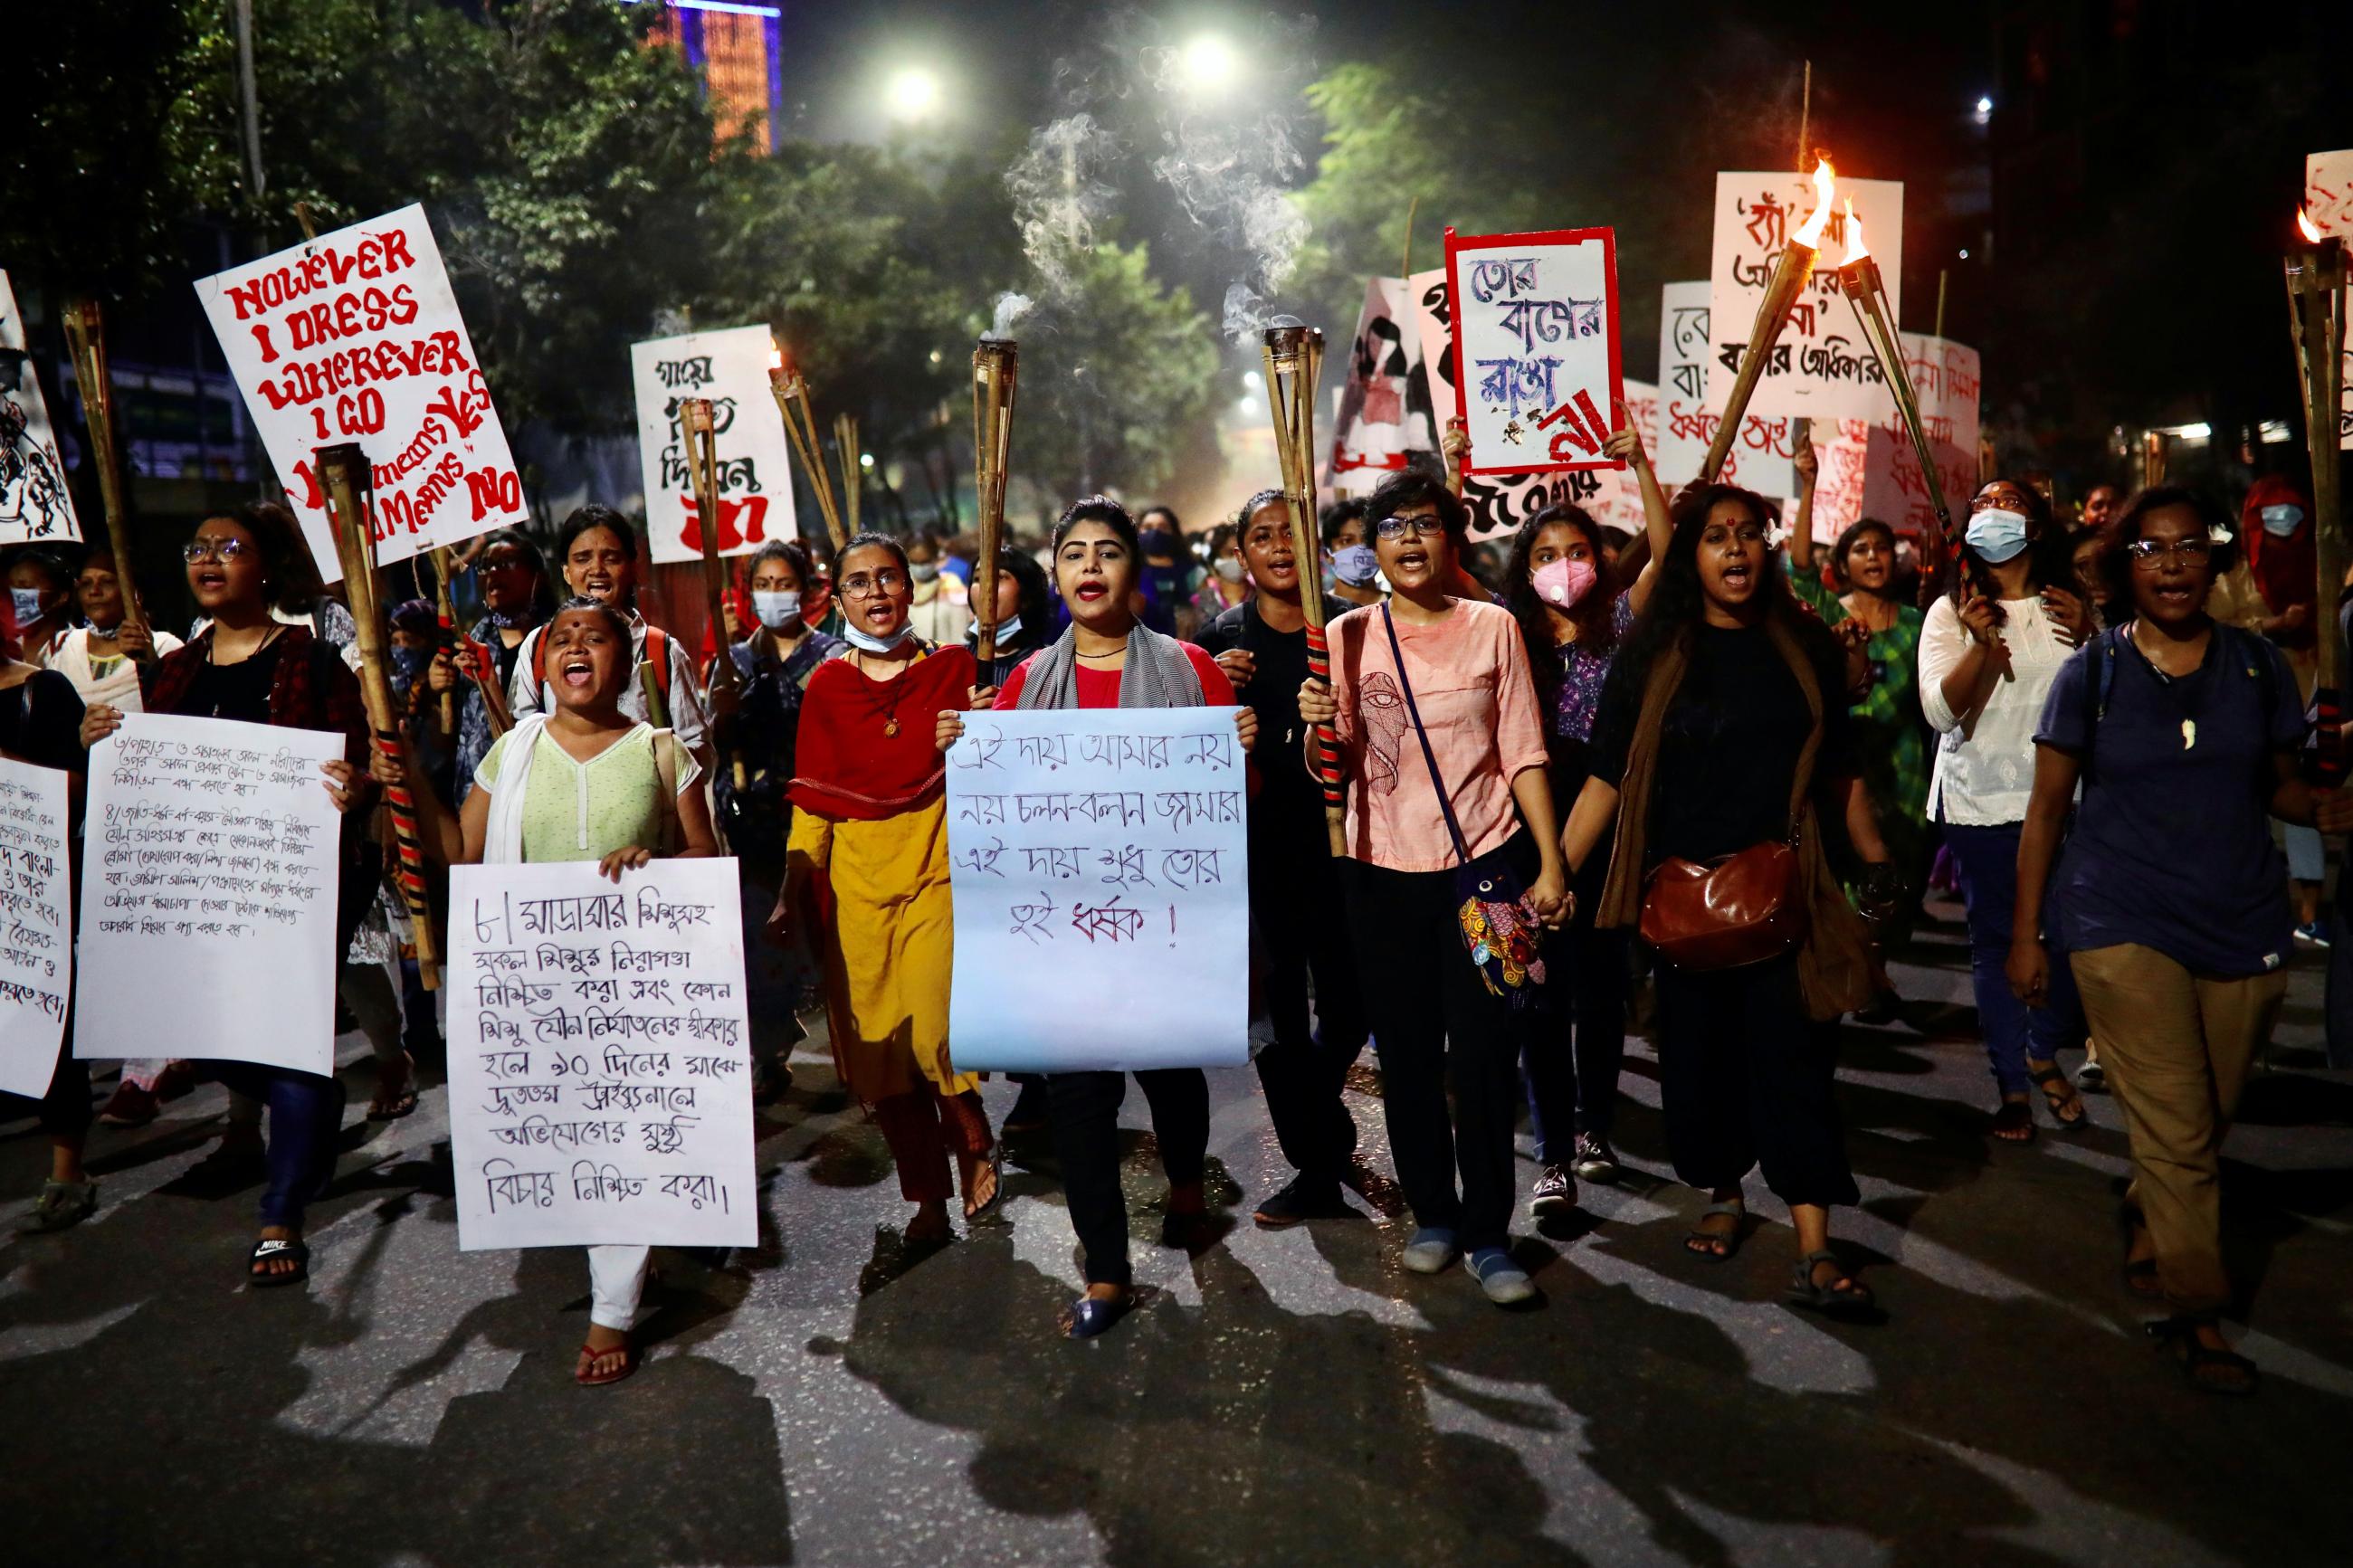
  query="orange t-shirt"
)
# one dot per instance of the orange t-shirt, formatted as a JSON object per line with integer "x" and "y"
{"x": 1478, "y": 703}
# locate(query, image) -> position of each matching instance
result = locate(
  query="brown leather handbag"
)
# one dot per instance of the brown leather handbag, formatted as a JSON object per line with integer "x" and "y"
{"x": 1720, "y": 914}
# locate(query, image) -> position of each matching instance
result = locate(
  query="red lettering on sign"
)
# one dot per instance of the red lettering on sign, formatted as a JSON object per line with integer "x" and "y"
{"x": 742, "y": 521}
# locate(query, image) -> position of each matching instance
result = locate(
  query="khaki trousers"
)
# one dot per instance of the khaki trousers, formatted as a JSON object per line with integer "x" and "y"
{"x": 2176, "y": 1047}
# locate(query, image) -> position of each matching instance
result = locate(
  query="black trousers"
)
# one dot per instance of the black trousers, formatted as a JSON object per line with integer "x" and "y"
{"x": 1086, "y": 1140}
{"x": 1745, "y": 1079}
{"x": 1437, "y": 1027}
{"x": 1572, "y": 1051}
{"x": 1293, "y": 889}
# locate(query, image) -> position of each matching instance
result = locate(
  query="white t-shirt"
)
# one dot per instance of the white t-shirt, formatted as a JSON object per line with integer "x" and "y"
{"x": 1984, "y": 758}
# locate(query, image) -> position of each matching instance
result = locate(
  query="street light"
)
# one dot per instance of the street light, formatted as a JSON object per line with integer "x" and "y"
{"x": 1209, "y": 63}
{"x": 913, "y": 94}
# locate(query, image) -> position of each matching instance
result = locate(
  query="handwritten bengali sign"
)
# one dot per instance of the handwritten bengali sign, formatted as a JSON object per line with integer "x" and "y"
{"x": 600, "y": 1076}
{"x": 2329, "y": 202}
{"x": 34, "y": 501}
{"x": 1869, "y": 468}
{"x": 1537, "y": 351}
{"x": 1822, "y": 366}
{"x": 729, "y": 367}
{"x": 355, "y": 336}
{"x": 1386, "y": 412}
{"x": 36, "y": 925}
{"x": 208, "y": 889}
{"x": 1758, "y": 458}
{"x": 1101, "y": 873}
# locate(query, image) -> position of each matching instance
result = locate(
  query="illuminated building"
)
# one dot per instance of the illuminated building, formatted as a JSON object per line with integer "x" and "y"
{"x": 737, "y": 49}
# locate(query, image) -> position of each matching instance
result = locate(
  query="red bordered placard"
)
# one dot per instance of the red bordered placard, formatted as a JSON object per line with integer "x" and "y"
{"x": 1542, "y": 443}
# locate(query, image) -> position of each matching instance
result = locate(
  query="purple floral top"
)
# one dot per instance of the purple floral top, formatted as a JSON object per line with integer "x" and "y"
{"x": 1582, "y": 670}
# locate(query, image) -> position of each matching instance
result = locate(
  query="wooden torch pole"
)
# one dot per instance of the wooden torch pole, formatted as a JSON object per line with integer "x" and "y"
{"x": 86, "y": 335}
{"x": 995, "y": 376}
{"x": 345, "y": 476}
{"x": 698, "y": 424}
{"x": 792, "y": 397}
{"x": 1292, "y": 357}
{"x": 854, "y": 472}
{"x": 2316, "y": 293}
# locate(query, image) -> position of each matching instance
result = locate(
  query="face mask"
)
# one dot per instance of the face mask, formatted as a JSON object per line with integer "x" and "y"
{"x": 28, "y": 605}
{"x": 872, "y": 644}
{"x": 777, "y": 606}
{"x": 2279, "y": 521}
{"x": 411, "y": 662}
{"x": 924, "y": 570}
{"x": 1007, "y": 629}
{"x": 1996, "y": 534}
{"x": 1561, "y": 583}
{"x": 1356, "y": 565}
{"x": 1230, "y": 569}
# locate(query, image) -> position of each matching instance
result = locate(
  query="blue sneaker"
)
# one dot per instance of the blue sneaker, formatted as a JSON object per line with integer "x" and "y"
{"x": 1430, "y": 1251}
{"x": 1505, "y": 1283}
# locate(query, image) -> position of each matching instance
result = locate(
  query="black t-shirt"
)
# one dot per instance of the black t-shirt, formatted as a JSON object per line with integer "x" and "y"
{"x": 1286, "y": 792}
{"x": 1728, "y": 749}
{"x": 239, "y": 690}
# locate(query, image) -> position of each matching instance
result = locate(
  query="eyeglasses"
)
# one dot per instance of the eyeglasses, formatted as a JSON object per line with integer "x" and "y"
{"x": 1408, "y": 527}
{"x": 866, "y": 584}
{"x": 196, "y": 551}
{"x": 2148, "y": 555}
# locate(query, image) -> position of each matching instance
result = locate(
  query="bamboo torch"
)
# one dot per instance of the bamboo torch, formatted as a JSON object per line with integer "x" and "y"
{"x": 792, "y": 397}
{"x": 2315, "y": 298}
{"x": 700, "y": 426}
{"x": 86, "y": 334}
{"x": 345, "y": 476}
{"x": 1790, "y": 274}
{"x": 1292, "y": 355}
{"x": 447, "y": 614}
{"x": 854, "y": 472}
{"x": 995, "y": 376}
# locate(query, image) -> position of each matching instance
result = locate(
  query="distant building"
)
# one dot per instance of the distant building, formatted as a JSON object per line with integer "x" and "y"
{"x": 738, "y": 49}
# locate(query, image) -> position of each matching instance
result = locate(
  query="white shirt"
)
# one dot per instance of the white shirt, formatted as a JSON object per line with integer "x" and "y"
{"x": 1984, "y": 758}
{"x": 689, "y": 719}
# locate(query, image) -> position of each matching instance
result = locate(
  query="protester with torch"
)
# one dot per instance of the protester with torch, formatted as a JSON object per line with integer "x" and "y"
{"x": 515, "y": 599}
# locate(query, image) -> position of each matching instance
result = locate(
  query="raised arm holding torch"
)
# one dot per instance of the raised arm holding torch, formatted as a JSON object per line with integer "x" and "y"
{"x": 995, "y": 371}
{"x": 700, "y": 426}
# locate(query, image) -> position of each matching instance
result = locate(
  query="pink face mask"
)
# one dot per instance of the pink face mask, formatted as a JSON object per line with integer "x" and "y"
{"x": 1561, "y": 583}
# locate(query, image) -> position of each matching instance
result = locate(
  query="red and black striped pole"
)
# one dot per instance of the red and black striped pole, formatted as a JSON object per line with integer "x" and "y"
{"x": 1294, "y": 357}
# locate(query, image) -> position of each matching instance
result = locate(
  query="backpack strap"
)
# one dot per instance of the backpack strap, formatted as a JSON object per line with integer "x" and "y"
{"x": 666, "y": 770}
{"x": 653, "y": 678}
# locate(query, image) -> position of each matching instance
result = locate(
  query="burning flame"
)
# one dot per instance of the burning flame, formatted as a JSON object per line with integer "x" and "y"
{"x": 1810, "y": 235}
{"x": 1856, "y": 250}
{"x": 775, "y": 355}
{"x": 2304, "y": 221}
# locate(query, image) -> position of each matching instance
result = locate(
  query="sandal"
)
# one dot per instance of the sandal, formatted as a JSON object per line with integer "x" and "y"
{"x": 2208, "y": 1370}
{"x": 2013, "y": 1122}
{"x": 1843, "y": 1297}
{"x": 2060, "y": 1101}
{"x": 1717, "y": 1245}
{"x": 994, "y": 1162}
{"x": 273, "y": 1247}
{"x": 587, "y": 1377}
{"x": 395, "y": 1093}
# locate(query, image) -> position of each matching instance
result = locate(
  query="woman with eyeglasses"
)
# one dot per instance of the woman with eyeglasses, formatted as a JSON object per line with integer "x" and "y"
{"x": 866, "y": 875}
{"x": 1108, "y": 658}
{"x": 1722, "y": 729}
{"x": 1431, "y": 687}
{"x": 247, "y": 665}
{"x": 1988, "y": 651}
{"x": 2168, "y": 895}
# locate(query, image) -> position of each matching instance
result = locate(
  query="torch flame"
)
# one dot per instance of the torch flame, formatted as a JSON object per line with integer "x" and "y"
{"x": 1856, "y": 250}
{"x": 1810, "y": 235}
{"x": 2304, "y": 221}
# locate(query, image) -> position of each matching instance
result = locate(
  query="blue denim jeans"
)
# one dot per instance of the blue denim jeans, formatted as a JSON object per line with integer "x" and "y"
{"x": 1988, "y": 859}
{"x": 306, "y": 1114}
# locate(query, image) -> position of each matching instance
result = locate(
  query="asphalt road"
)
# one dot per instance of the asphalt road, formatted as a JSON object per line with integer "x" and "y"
{"x": 1288, "y": 1398}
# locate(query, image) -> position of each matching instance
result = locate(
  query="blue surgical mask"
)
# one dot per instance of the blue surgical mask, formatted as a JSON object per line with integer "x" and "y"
{"x": 1007, "y": 629}
{"x": 872, "y": 644}
{"x": 1997, "y": 534}
{"x": 1356, "y": 565}
{"x": 777, "y": 608}
{"x": 28, "y": 605}
{"x": 923, "y": 571}
{"x": 2279, "y": 521}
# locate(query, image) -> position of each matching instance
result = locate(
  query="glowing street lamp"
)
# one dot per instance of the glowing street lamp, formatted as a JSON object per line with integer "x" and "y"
{"x": 1209, "y": 63}
{"x": 913, "y": 94}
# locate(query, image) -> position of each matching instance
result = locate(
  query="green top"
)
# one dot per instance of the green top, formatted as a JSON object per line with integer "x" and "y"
{"x": 1891, "y": 739}
{"x": 584, "y": 811}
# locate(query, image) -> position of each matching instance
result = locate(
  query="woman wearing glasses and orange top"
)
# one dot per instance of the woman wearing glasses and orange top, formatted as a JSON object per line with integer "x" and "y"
{"x": 867, "y": 867}
{"x": 2168, "y": 896}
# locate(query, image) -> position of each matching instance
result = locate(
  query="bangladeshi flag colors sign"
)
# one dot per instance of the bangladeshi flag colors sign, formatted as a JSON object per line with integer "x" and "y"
{"x": 355, "y": 336}
{"x": 1536, "y": 347}
{"x": 729, "y": 367}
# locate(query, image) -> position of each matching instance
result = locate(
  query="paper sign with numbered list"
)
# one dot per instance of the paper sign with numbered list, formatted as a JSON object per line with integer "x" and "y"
{"x": 1536, "y": 347}
{"x": 355, "y": 336}
{"x": 34, "y": 502}
{"x": 1822, "y": 367}
{"x": 729, "y": 367}
{"x": 1758, "y": 458}
{"x": 2329, "y": 202}
{"x": 209, "y": 882}
{"x": 37, "y": 933}
{"x": 600, "y": 1072}
{"x": 1101, "y": 868}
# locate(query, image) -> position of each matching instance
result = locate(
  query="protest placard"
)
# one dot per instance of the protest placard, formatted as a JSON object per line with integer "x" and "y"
{"x": 1869, "y": 468}
{"x": 1536, "y": 347}
{"x": 36, "y": 925}
{"x": 729, "y": 367}
{"x": 600, "y": 1073}
{"x": 1101, "y": 872}
{"x": 1758, "y": 459}
{"x": 1385, "y": 411}
{"x": 34, "y": 501}
{"x": 208, "y": 888}
{"x": 355, "y": 336}
{"x": 2328, "y": 202}
{"x": 1822, "y": 367}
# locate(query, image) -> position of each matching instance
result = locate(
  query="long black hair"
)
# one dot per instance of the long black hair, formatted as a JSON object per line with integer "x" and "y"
{"x": 1594, "y": 615}
{"x": 1678, "y": 604}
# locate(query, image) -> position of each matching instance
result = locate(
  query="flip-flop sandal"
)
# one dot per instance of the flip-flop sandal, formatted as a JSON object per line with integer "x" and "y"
{"x": 392, "y": 1102}
{"x": 995, "y": 1162}
{"x": 2044, "y": 1080}
{"x": 2009, "y": 1118}
{"x": 277, "y": 1246}
{"x": 1716, "y": 1247}
{"x": 624, "y": 1350}
{"x": 1855, "y": 1303}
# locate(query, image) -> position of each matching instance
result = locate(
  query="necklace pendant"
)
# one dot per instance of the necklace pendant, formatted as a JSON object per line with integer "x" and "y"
{"x": 2188, "y": 733}
{"x": 891, "y": 727}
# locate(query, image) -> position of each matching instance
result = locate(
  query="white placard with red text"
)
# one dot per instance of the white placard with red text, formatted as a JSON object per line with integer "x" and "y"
{"x": 355, "y": 336}
{"x": 729, "y": 367}
{"x": 2329, "y": 202}
{"x": 1868, "y": 465}
{"x": 1822, "y": 367}
{"x": 34, "y": 502}
{"x": 1758, "y": 458}
{"x": 1536, "y": 347}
